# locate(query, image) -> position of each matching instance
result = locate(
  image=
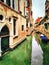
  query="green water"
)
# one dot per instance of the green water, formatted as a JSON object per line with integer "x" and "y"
{"x": 21, "y": 55}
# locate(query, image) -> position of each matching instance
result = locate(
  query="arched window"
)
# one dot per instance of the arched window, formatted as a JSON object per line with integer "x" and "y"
{"x": 4, "y": 33}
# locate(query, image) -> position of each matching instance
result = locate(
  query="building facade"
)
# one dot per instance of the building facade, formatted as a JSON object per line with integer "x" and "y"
{"x": 14, "y": 23}
{"x": 28, "y": 14}
{"x": 47, "y": 8}
{"x": 43, "y": 25}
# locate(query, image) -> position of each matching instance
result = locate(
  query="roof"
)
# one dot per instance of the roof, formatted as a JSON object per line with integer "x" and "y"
{"x": 38, "y": 19}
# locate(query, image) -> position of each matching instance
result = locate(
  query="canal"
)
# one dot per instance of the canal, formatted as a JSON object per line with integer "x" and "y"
{"x": 37, "y": 53}
{"x": 21, "y": 55}
{"x": 37, "y": 43}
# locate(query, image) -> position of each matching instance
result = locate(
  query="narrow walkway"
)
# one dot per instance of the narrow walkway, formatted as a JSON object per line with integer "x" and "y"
{"x": 37, "y": 53}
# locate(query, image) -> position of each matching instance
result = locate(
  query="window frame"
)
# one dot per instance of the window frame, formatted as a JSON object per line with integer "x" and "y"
{"x": 14, "y": 26}
{"x": 8, "y": 3}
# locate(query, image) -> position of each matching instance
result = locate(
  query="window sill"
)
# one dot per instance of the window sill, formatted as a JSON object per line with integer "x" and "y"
{"x": 15, "y": 36}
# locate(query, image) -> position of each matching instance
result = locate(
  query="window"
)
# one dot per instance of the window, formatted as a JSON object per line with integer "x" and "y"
{"x": 27, "y": 14}
{"x": 14, "y": 26}
{"x": 20, "y": 12}
{"x": 8, "y": 2}
{"x": 1, "y": 17}
{"x": 9, "y": 19}
{"x": 46, "y": 11}
{"x": 28, "y": 4}
{"x": 27, "y": 24}
{"x": 13, "y": 4}
{"x": 2, "y": 0}
{"x": 22, "y": 27}
{"x": 46, "y": 26}
{"x": 30, "y": 25}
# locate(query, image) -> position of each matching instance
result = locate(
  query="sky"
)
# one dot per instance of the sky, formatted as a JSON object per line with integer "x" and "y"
{"x": 38, "y": 8}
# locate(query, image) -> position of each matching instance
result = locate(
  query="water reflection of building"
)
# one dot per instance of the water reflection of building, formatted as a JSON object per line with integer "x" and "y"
{"x": 15, "y": 22}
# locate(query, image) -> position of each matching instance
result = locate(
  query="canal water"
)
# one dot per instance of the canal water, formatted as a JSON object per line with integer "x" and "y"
{"x": 37, "y": 53}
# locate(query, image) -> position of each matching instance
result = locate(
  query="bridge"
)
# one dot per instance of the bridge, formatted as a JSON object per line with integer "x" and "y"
{"x": 41, "y": 29}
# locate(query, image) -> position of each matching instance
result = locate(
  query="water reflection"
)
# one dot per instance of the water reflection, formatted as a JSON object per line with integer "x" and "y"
{"x": 37, "y": 53}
